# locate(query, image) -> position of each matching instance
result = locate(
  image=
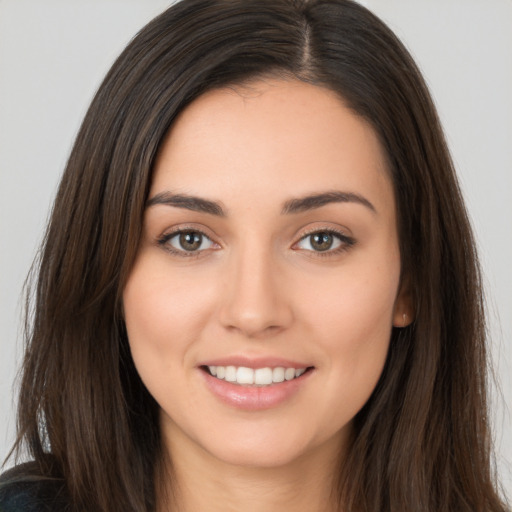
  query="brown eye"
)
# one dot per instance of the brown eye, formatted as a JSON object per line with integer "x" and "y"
{"x": 190, "y": 240}
{"x": 321, "y": 241}
{"x": 187, "y": 242}
{"x": 325, "y": 241}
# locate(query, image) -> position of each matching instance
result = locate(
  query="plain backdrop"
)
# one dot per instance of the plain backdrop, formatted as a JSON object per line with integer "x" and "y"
{"x": 53, "y": 55}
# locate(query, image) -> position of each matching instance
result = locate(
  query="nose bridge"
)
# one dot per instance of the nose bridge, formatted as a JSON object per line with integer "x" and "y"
{"x": 255, "y": 302}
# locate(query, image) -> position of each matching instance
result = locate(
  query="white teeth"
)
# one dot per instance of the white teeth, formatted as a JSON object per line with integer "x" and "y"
{"x": 230, "y": 374}
{"x": 245, "y": 375}
{"x": 258, "y": 377}
{"x": 278, "y": 374}
{"x": 263, "y": 376}
{"x": 289, "y": 374}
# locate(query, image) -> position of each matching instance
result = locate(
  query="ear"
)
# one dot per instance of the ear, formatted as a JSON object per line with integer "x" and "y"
{"x": 403, "y": 314}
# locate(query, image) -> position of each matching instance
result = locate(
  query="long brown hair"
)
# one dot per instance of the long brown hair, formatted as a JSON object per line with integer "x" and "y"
{"x": 422, "y": 441}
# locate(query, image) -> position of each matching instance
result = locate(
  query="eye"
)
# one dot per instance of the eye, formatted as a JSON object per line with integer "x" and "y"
{"x": 186, "y": 241}
{"x": 324, "y": 241}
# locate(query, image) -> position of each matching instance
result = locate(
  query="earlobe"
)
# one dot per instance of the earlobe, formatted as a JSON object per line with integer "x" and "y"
{"x": 404, "y": 312}
{"x": 401, "y": 318}
{"x": 404, "y": 322}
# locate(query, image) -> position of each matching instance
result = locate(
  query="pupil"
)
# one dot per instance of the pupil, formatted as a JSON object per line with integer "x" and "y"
{"x": 190, "y": 241}
{"x": 321, "y": 241}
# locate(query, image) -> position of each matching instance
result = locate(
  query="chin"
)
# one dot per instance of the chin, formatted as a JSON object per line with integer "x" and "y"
{"x": 259, "y": 457}
{"x": 272, "y": 449}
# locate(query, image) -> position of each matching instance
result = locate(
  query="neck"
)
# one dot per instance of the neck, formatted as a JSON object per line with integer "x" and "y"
{"x": 197, "y": 481}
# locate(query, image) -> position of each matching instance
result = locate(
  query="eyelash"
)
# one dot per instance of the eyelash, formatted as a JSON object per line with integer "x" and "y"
{"x": 346, "y": 242}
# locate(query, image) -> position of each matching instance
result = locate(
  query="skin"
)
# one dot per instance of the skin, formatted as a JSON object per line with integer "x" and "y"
{"x": 258, "y": 288}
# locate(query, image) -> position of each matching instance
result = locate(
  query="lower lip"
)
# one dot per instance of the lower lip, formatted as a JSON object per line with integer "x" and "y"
{"x": 252, "y": 398}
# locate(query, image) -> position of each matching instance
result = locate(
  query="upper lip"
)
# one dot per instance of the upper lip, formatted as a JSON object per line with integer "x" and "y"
{"x": 255, "y": 362}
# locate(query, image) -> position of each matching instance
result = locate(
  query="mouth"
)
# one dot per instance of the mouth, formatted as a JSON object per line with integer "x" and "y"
{"x": 255, "y": 377}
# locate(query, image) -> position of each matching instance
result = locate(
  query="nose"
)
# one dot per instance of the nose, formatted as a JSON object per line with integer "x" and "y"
{"x": 255, "y": 300}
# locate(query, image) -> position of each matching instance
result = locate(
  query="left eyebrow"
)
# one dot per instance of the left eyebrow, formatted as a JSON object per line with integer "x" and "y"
{"x": 313, "y": 201}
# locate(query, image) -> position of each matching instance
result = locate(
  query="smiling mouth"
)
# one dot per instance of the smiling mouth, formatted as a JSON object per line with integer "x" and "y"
{"x": 258, "y": 377}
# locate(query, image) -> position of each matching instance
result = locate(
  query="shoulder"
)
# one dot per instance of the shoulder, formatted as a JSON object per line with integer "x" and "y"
{"x": 23, "y": 490}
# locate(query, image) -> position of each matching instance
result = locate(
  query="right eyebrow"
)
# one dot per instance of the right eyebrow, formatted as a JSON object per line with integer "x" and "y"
{"x": 187, "y": 202}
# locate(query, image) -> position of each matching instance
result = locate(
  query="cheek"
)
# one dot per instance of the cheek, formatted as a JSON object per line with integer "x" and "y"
{"x": 350, "y": 307}
{"x": 157, "y": 303}
{"x": 148, "y": 322}
{"x": 157, "y": 308}
{"x": 147, "y": 329}
{"x": 352, "y": 322}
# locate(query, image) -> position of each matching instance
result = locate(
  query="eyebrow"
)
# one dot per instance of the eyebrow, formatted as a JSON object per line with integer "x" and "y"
{"x": 291, "y": 206}
{"x": 313, "y": 201}
{"x": 196, "y": 204}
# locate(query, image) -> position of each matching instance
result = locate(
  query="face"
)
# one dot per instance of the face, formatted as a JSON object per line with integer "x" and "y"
{"x": 260, "y": 305}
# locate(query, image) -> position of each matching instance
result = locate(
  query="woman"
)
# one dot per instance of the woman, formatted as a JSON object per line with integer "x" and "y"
{"x": 258, "y": 289}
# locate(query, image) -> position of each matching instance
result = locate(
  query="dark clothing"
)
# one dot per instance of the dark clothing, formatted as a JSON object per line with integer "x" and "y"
{"x": 21, "y": 490}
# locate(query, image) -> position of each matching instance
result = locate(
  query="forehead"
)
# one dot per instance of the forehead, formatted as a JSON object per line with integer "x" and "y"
{"x": 271, "y": 139}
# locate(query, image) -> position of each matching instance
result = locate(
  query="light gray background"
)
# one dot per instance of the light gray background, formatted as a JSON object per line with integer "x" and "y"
{"x": 53, "y": 55}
